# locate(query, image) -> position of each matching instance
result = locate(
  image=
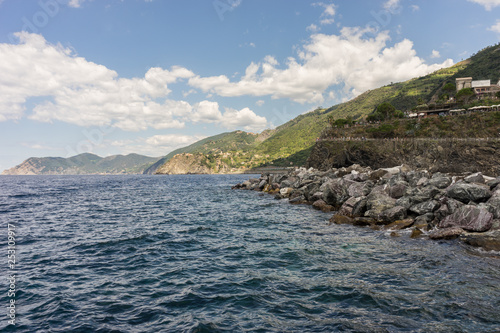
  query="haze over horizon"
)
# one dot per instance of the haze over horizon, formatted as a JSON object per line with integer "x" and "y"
{"x": 149, "y": 76}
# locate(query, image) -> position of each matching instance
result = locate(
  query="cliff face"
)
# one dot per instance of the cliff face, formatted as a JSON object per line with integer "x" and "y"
{"x": 187, "y": 163}
{"x": 450, "y": 156}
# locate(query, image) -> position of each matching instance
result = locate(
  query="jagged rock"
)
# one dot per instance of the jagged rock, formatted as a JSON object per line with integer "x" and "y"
{"x": 360, "y": 189}
{"x": 425, "y": 207}
{"x": 316, "y": 196}
{"x": 378, "y": 202}
{"x": 448, "y": 233}
{"x": 466, "y": 192}
{"x": 422, "y": 222}
{"x": 323, "y": 206}
{"x": 399, "y": 224}
{"x": 424, "y": 181}
{"x": 397, "y": 191}
{"x": 289, "y": 182}
{"x": 334, "y": 192}
{"x": 469, "y": 218}
{"x": 440, "y": 181}
{"x": 285, "y": 192}
{"x": 493, "y": 183}
{"x": 376, "y": 175}
{"x": 359, "y": 208}
{"x": 393, "y": 214}
{"x": 348, "y": 206}
{"x": 341, "y": 219}
{"x": 494, "y": 204}
{"x": 298, "y": 199}
{"x": 489, "y": 241}
{"x": 404, "y": 202}
{"x": 364, "y": 221}
{"x": 475, "y": 178}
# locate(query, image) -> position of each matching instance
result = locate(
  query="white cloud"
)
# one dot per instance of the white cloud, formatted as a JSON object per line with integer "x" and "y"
{"x": 415, "y": 8}
{"x": 495, "y": 27}
{"x": 435, "y": 54}
{"x": 391, "y": 4}
{"x": 313, "y": 28}
{"x": 209, "y": 112}
{"x": 74, "y": 90}
{"x": 260, "y": 102}
{"x": 351, "y": 59}
{"x": 487, "y": 4}
{"x": 75, "y": 3}
{"x": 172, "y": 140}
{"x": 328, "y": 12}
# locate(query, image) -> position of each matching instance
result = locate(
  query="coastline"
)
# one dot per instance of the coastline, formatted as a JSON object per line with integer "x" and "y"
{"x": 437, "y": 206}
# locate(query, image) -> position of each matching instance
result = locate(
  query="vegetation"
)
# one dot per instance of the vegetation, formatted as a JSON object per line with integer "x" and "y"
{"x": 465, "y": 95}
{"x": 290, "y": 143}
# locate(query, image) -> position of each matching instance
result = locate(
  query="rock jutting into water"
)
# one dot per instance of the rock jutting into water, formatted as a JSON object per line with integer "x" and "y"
{"x": 439, "y": 206}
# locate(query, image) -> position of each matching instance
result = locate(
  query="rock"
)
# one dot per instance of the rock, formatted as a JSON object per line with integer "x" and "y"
{"x": 393, "y": 214}
{"x": 334, "y": 192}
{"x": 341, "y": 219}
{"x": 404, "y": 202}
{"x": 448, "y": 233}
{"x": 395, "y": 234}
{"x": 376, "y": 175}
{"x": 279, "y": 197}
{"x": 348, "y": 206}
{"x": 316, "y": 196}
{"x": 466, "y": 192}
{"x": 475, "y": 178}
{"x": 422, "y": 222}
{"x": 440, "y": 181}
{"x": 400, "y": 224}
{"x": 364, "y": 221}
{"x": 493, "y": 183}
{"x": 489, "y": 241}
{"x": 469, "y": 218}
{"x": 398, "y": 190}
{"x": 416, "y": 233}
{"x": 298, "y": 200}
{"x": 285, "y": 192}
{"x": 359, "y": 208}
{"x": 494, "y": 205}
{"x": 425, "y": 207}
{"x": 262, "y": 184}
{"x": 424, "y": 181}
{"x": 360, "y": 189}
{"x": 323, "y": 206}
{"x": 378, "y": 202}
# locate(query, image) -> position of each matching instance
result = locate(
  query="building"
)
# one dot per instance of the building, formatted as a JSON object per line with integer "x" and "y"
{"x": 464, "y": 82}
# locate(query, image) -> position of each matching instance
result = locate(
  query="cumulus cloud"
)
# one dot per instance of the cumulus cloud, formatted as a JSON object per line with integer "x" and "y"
{"x": 495, "y": 27}
{"x": 172, "y": 141}
{"x": 73, "y": 90}
{"x": 435, "y": 54}
{"x": 487, "y": 4}
{"x": 327, "y": 17}
{"x": 209, "y": 112}
{"x": 351, "y": 58}
{"x": 313, "y": 28}
{"x": 391, "y": 4}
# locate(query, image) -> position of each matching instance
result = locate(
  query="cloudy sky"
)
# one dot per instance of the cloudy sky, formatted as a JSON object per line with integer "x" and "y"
{"x": 150, "y": 76}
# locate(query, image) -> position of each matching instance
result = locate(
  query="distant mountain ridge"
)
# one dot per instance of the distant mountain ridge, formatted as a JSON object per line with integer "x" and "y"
{"x": 83, "y": 164}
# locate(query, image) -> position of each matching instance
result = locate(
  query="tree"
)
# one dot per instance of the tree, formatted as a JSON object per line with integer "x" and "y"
{"x": 465, "y": 94}
{"x": 449, "y": 87}
{"x": 386, "y": 109}
{"x": 498, "y": 94}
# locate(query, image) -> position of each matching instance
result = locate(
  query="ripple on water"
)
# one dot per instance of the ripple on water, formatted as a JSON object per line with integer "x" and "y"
{"x": 171, "y": 254}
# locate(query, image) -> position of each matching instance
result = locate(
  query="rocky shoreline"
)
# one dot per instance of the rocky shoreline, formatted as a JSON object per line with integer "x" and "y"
{"x": 436, "y": 206}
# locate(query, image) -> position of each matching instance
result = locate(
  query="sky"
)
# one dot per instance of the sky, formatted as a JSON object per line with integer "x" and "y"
{"x": 150, "y": 76}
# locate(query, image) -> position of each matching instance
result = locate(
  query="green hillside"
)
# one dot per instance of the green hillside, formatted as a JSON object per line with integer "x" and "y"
{"x": 290, "y": 143}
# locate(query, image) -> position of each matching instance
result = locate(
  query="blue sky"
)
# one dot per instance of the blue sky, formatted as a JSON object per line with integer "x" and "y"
{"x": 149, "y": 76}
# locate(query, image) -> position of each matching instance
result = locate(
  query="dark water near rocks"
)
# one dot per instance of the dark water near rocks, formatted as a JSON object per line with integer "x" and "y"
{"x": 187, "y": 254}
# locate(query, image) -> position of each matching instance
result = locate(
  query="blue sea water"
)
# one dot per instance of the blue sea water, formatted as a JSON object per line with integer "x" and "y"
{"x": 188, "y": 254}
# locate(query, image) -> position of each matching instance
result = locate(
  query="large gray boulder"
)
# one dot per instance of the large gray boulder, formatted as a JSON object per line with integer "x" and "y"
{"x": 489, "y": 241}
{"x": 448, "y": 233}
{"x": 440, "y": 180}
{"x": 334, "y": 192}
{"x": 425, "y": 207}
{"x": 393, "y": 214}
{"x": 494, "y": 204}
{"x": 475, "y": 178}
{"x": 466, "y": 192}
{"x": 348, "y": 206}
{"x": 360, "y": 189}
{"x": 377, "y": 203}
{"x": 470, "y": 218}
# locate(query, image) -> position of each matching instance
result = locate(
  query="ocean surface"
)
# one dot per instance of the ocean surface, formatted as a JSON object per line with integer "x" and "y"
{"x": 188, "y": 254}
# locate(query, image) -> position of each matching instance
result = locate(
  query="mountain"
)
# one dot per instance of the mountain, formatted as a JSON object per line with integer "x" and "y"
{"x": 83, "y": 164}
{"x": 292, "y": 142}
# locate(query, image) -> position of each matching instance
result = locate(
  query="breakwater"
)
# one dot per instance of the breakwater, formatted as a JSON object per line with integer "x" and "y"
{"x": 433, "y": 205}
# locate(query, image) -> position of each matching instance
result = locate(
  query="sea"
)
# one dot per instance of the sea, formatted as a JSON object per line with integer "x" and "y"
{"x": 186, "y": 253}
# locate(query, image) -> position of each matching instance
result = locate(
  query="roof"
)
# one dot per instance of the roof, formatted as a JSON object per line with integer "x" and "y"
{"x": 464, "y": 78}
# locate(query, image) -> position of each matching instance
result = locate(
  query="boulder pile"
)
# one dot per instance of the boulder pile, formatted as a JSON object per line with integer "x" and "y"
{"x": 439, "y": 206}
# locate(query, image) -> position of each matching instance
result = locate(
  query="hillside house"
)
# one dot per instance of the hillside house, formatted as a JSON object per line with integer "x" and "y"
{"x": 482, "y": 88}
